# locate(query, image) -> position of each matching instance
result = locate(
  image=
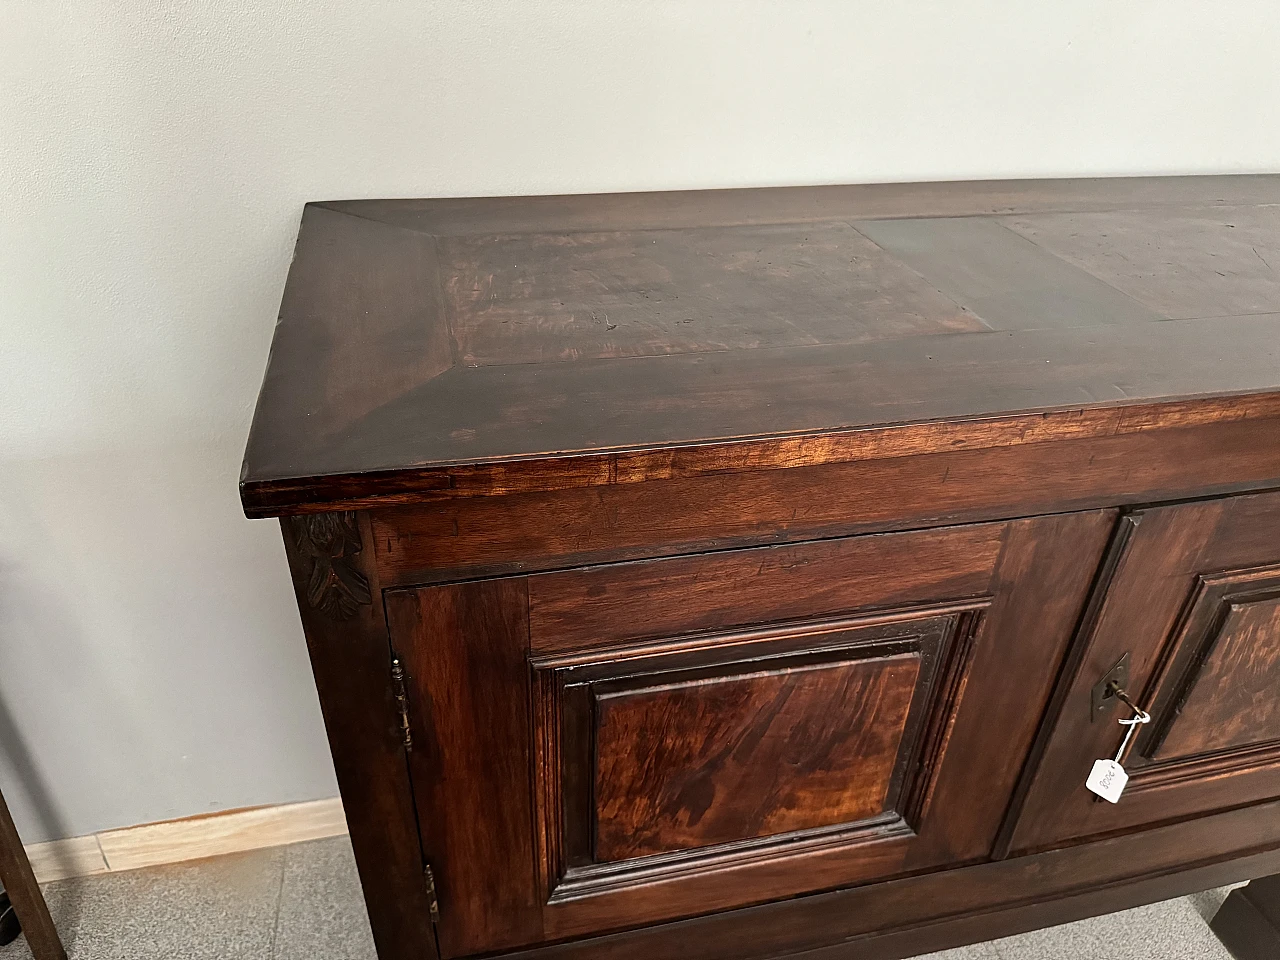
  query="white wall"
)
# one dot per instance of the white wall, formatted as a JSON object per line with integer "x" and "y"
{"x": 154, "y": 157}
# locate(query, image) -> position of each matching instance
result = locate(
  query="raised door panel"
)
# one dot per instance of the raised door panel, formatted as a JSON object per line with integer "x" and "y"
{"x": 829, "y": 732}
{"x": 747, "y": 750}
{"x": 1221, "y": 689}
{"x": 607, "y": 747}
{"x": 1194, "y": 606}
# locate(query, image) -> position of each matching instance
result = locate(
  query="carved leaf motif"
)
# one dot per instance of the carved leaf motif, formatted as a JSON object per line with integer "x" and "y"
{"x": 329, "y": 541}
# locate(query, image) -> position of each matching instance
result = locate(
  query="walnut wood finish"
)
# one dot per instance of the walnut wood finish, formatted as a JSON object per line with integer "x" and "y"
{"x": 437, "y": 348}
{"x": 351, "y": 660}
{"x": 568, "y": 685}
{"x": 704, "y": 761}
{"x": 464, "y": 649}
{"x": 489, "y": 535}
{"x": 576, "y": 792}
{"x": 602, "y": 606}
{"x": 1225, "y": 697}
{"x": 750, "y": 555}
{"x": 1192, "y": 601}
{"x": 468, "y": 648}
{"x": 657, "y": 293}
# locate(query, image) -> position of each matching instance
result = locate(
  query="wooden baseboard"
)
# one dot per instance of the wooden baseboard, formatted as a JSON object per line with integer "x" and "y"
{"x": 173, "y": 841}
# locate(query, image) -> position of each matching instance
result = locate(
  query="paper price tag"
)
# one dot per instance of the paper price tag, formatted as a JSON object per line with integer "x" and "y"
{"x": 1107, "y": 779}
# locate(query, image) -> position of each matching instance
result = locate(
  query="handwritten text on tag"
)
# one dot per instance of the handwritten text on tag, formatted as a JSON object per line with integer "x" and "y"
{"x": 1107, "y": 779}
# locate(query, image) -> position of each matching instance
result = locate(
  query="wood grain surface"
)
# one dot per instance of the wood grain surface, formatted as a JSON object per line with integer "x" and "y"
{"x": 1192, "y": 601}
{"x": 937, "y": 911}
{"x": 351, "y": 662}
{"x": 464, "y": 649}
{"x": 732, "y": 758}
{"x": 1224, "y": 671}
{"x": 750, "y": 557}
{"x": 1233, "y": 699}
{"x": 608, "y": 604}
{"x": 492, "y": 806}
{"x": 453, "y": 347}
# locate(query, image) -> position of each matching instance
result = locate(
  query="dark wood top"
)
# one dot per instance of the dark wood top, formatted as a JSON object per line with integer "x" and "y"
{"x": 442, "y": 348}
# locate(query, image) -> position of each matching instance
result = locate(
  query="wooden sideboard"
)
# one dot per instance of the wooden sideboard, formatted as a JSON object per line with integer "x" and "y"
{"x": 739, "y": 574}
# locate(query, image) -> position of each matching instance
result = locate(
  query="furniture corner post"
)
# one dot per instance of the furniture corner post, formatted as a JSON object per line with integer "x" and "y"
{"x": 332, "y": 564}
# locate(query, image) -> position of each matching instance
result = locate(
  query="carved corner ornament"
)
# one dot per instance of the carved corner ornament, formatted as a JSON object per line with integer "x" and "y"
{"x": 329, "y": 542}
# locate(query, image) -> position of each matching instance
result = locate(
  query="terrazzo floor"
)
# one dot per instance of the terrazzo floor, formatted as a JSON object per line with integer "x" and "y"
{"x": 303, "y": 902}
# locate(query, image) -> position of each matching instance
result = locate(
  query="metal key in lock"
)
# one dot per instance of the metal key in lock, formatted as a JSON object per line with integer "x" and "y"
{"x": 1108, "y": 777}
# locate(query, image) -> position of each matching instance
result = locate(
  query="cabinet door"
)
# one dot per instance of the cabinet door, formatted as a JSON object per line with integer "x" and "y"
{"x": 1193, "y": 602}
{"x": 601, "y": 748}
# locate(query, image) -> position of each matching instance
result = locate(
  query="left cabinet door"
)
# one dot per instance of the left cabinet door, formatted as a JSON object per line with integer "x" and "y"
{"x": 603, "y": 748}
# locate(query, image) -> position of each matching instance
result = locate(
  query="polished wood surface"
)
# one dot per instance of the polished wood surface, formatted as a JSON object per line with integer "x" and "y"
{"x": 464, "y": 649}
{"x": 713, "y": 760}
{"x": 487, "y": 535}
{"x": 351, "y": 662}
{"x": 431, "y": 348}
{"x": 569, "y": 688}
{"x": 968, "y": 676}
{"x": 606, "y": 605}
{"x": 1191, "y": 601}
{"x": 726, "y": 574}
{"x": 1228, "y": 696}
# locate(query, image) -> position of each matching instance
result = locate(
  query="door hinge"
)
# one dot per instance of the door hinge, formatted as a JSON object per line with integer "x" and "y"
{"x": 402, "y": 702}
{"x": 433, "y": 902}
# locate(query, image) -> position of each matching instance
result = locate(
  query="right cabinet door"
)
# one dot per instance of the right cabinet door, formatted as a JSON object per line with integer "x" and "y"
{"x": 1190, "y": 594}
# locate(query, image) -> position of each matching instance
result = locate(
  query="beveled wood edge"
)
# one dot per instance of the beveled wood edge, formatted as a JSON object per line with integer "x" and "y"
{"x": 271, "y": 498}
{"x": 667, "y": 209}
{"x": 643, "y": 648}
{"x": 333, "y": 257}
